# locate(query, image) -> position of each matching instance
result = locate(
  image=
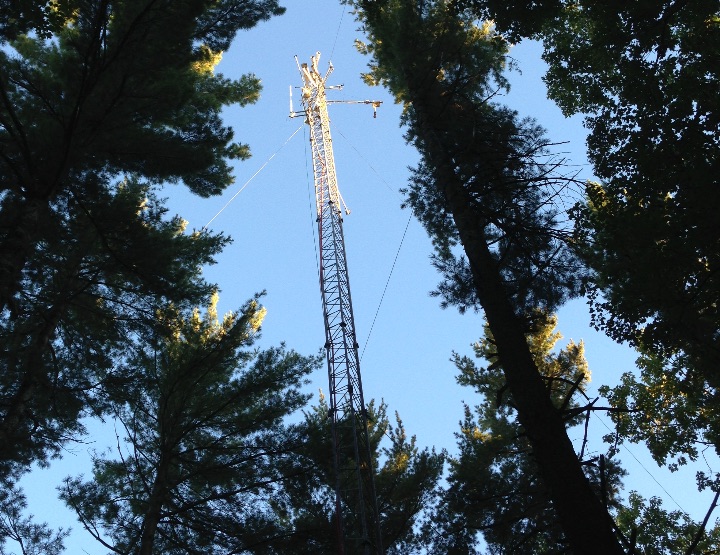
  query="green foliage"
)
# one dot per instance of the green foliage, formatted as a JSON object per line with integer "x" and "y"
{"x": 658, "y": 531}
{"x": 117, "y": 90}
{"x": 668, "y": 407}
{"x": 513, "y": 20}
{"x": 488, "y": 184}
{"x": 655, "y": 259}
{"x": 495, "y": 494}
{"x": 503, "y": 161}
{"x": 478, "y": 53}
{"x": 101, "y": 103}
{"x": 92, "y": 281}
{"x": 406, "y": 483}
{"x": 20, "y": 530}
{"x": 647, "y": 75}
{"x": 204, "y": 439}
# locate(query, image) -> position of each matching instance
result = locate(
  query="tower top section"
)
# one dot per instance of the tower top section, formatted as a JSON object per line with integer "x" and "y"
{"x": 311, "y": 75}
{"x": 315, "y": 84}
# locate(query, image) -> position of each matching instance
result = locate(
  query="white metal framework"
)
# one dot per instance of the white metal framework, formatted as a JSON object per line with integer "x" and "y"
{"x": 355, "y": 498}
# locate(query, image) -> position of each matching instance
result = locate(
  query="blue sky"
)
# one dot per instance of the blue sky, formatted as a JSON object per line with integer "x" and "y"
{"x": 406, "y": 357}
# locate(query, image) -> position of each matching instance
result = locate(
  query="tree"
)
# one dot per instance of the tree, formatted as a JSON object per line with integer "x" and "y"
{"x": 662, "y": 285}
{"x": 673, "y": 411}
{"x": 482, "y": 185}
{"x": 205, "y": 440}
{"x": 494, "y": 486}
{"x": 406, "y": 483}
{"x": 667, "y": 408}
{"x": 101, "y": 102}
{"x": 649, "y": 72}
{"x": 29, "y": 537}
{"x": 91, "y": 284}
{"x": 99, "y": 88}
{"x": 659, "y": 531}
{"x": 645, "y": 74}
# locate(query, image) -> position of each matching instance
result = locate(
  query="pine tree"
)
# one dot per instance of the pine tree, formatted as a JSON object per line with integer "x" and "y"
{"x": 19, "y": 530}
{"x": 90, "y": 286}
{"x": 205, "y": 438}
{"x": 484, "y": 186}
{"x": 406, "y": 483}
{"x": 101, "y": 102}
{"x": 495, "y": 494}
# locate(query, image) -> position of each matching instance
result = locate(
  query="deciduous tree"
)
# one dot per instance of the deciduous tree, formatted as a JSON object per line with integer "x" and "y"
{"x": 659, "y": 531}
{"x": 645, "y": 75}
{"x": 650, "y": 79}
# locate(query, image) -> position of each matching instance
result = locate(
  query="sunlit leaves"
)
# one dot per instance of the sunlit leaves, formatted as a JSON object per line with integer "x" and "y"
{"x": 647, "y": 76}
{"x": 669, "y": 407}
{"x": 659, "y": 531}
{"x": 477, "y": 62}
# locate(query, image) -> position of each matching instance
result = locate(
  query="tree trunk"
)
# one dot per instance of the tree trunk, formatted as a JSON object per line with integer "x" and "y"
{"x": 586, "y": 524}
{"x": 158, "y": 496}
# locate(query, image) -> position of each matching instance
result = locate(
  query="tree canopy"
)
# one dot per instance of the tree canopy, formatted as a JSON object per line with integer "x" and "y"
{"x": 485, "y": 186}
{"x": 105, "y": 104}
{"x": 101, "y": 102}
{"x": 203, "y": 417}
{"x": 645, "y": 76}
{"x": 495, "y": 494}
{"x": 406, "y": 481}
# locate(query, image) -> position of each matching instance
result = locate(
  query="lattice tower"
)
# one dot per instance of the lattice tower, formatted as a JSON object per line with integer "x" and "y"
{"x": 355, "y": 497}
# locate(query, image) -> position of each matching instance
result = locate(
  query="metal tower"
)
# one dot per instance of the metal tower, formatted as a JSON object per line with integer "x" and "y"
{"x": 355, "y": 500}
